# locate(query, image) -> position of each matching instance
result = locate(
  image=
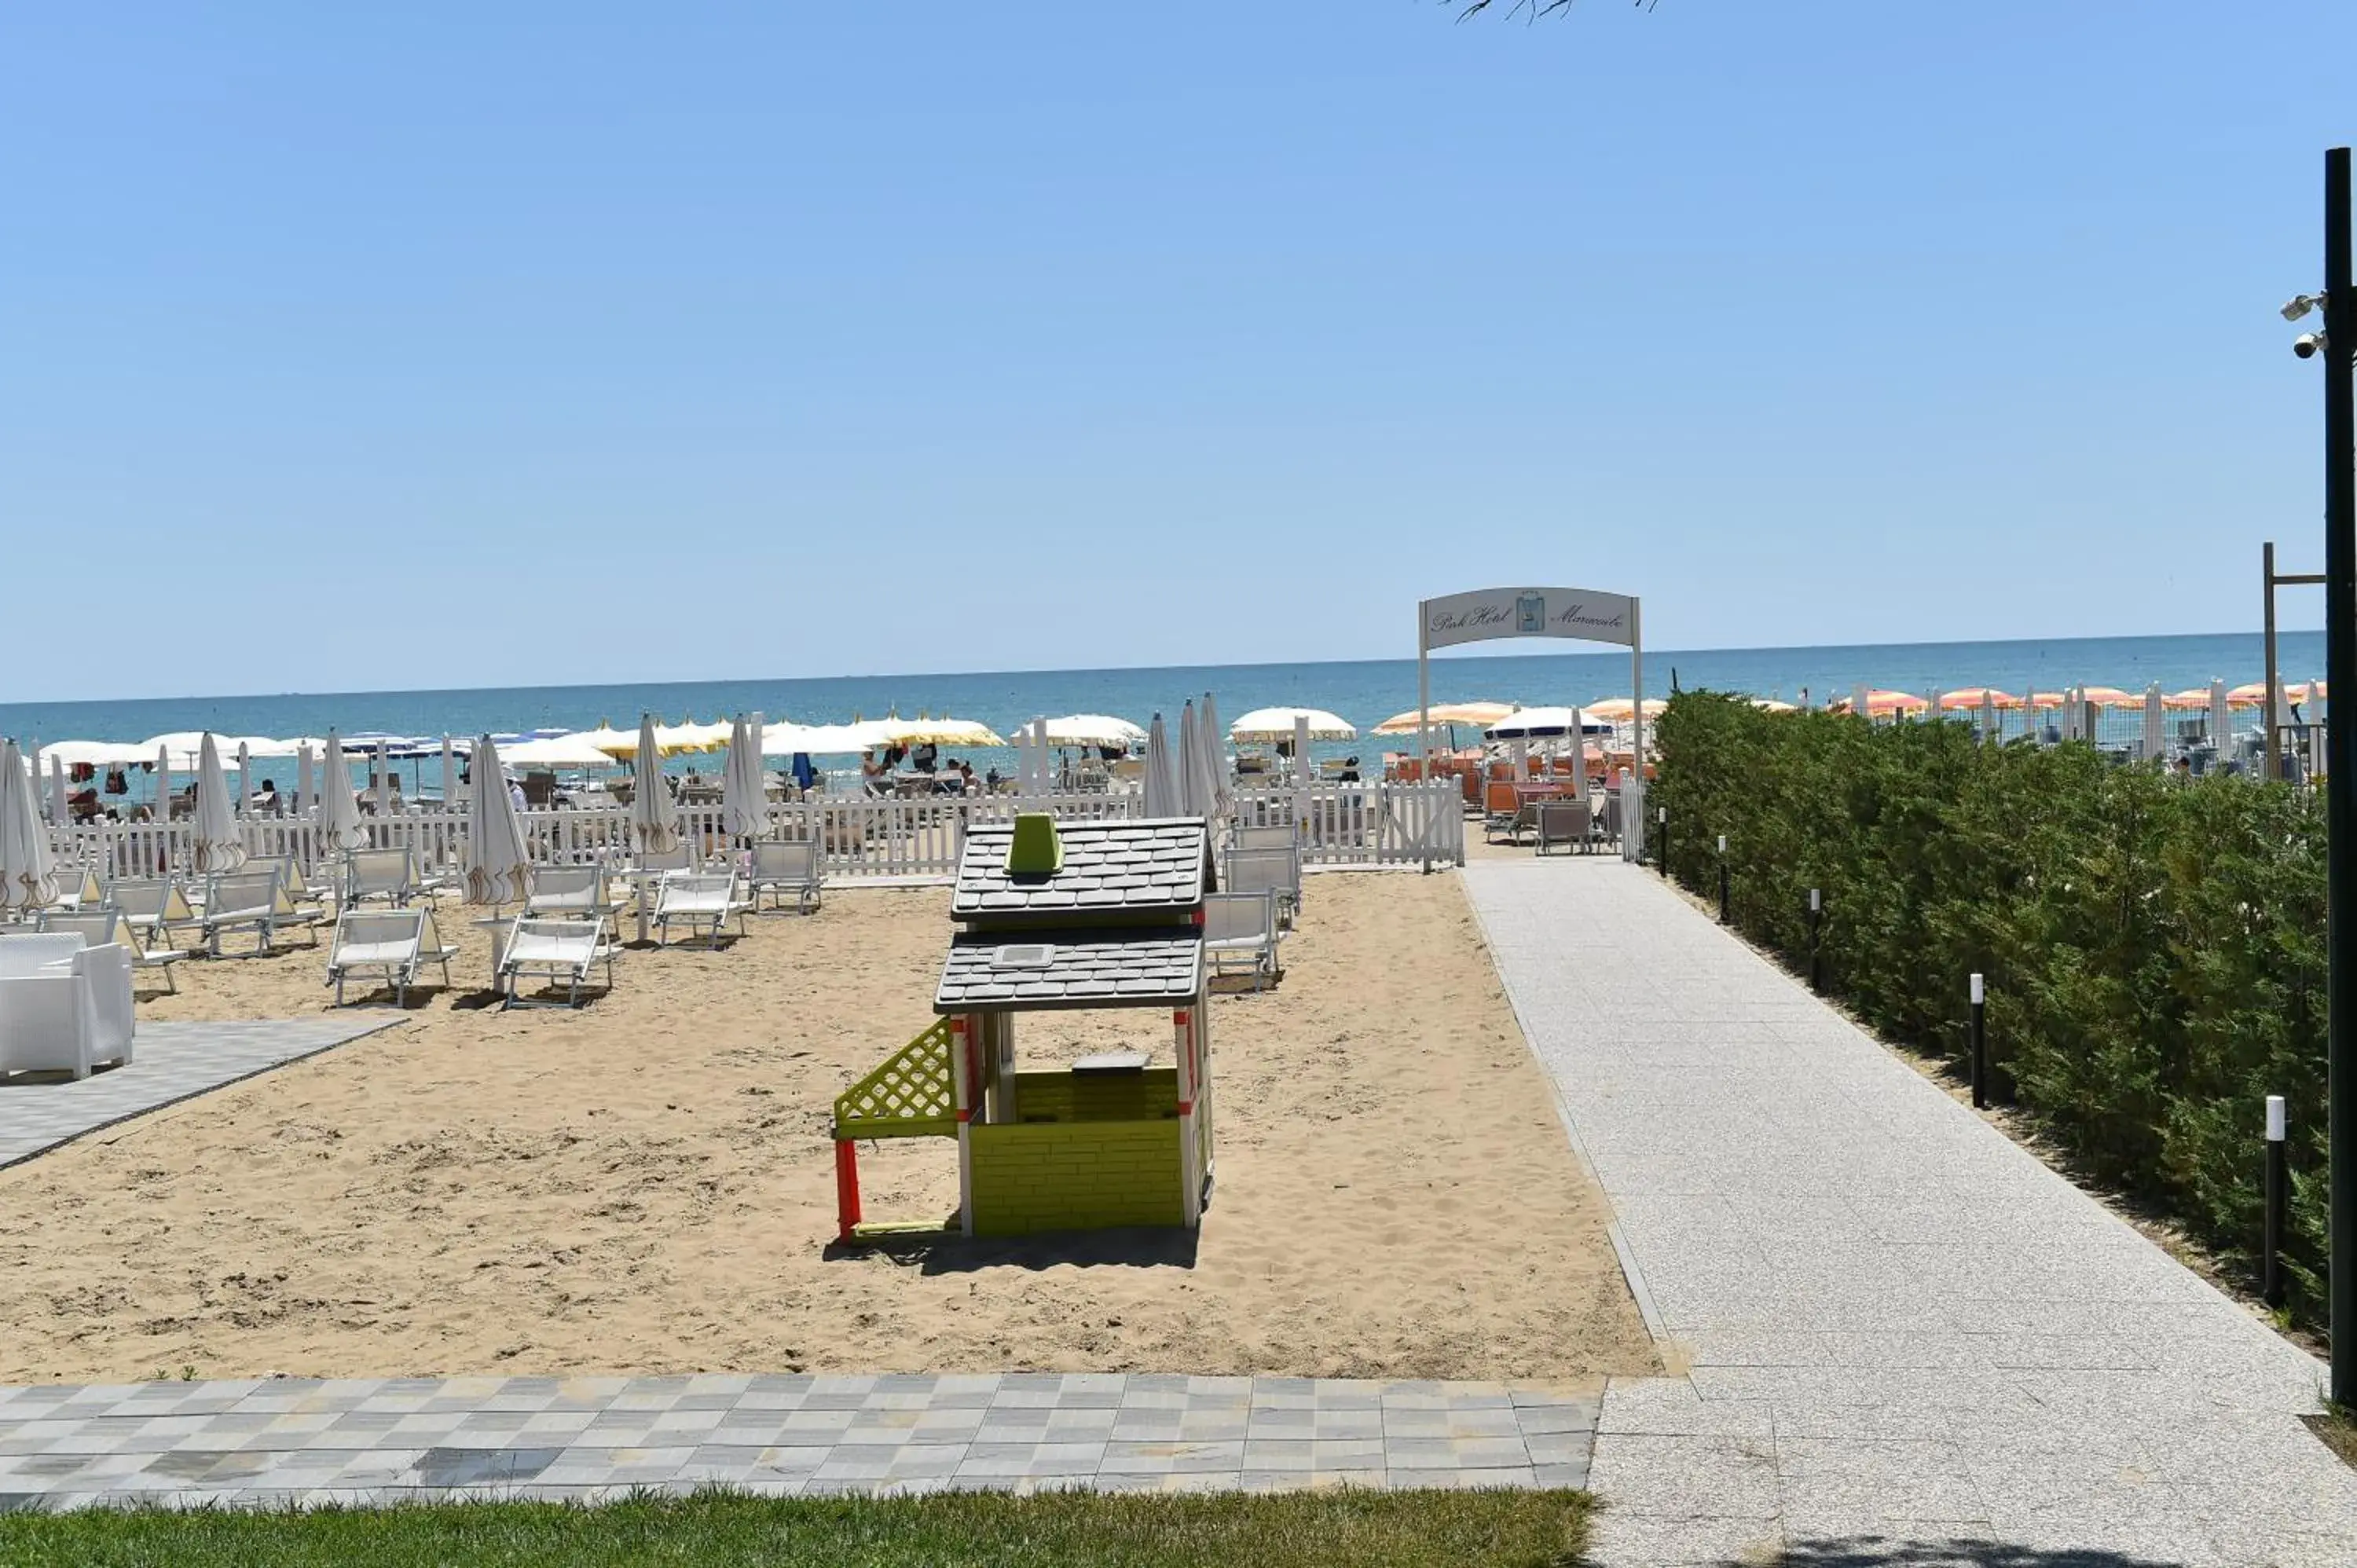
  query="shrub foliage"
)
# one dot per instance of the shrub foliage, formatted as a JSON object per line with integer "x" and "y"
{"x": 2154, "y": 946}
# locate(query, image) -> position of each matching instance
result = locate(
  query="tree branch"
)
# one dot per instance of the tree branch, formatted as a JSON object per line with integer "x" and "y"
{"x": 1529, "y": 10}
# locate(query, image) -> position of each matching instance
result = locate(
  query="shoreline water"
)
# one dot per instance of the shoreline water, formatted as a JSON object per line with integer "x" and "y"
{"x": 1363, "y": 691}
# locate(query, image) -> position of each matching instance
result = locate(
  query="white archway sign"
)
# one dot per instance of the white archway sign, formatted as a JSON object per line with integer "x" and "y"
{"x": 1488, "y": 613}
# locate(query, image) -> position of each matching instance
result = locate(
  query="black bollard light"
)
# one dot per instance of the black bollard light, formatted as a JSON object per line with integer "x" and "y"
{"x": 1980, "y": 1047}
{"x": 2270, "y": 1288}
{"x": 1722, "y": 879}
{"x": 1816, "y": 905}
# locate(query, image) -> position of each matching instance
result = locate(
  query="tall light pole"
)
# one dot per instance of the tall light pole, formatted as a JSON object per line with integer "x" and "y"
{"x": 2337, "y": 347}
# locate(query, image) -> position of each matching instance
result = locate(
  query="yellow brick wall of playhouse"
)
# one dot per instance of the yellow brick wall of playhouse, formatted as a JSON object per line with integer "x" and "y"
{"x": 1073, "y": 1175}
{"x": 1096, "y": 1097}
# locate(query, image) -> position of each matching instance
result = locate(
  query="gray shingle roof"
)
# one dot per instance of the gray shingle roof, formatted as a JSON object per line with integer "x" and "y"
{"x": 1117, "y": 871}
{"x": 1151, "y": 966}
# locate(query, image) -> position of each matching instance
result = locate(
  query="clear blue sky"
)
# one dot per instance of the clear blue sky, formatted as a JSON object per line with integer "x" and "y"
{"x": 409, "y": 345}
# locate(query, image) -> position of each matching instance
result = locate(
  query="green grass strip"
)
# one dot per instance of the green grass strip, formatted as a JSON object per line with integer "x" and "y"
{"x": 1347, "y": 1529}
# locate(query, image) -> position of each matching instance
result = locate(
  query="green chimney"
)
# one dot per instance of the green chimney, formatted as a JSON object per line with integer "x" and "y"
{"x": 1035, "y": 850}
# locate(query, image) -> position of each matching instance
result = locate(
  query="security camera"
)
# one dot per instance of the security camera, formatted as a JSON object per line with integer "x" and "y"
{"x": 2299, "y": 305}
{"x": 2308, "y": 344}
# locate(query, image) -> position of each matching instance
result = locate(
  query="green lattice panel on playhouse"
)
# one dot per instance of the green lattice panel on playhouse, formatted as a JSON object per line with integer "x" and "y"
{"x": 912, "y": 1095}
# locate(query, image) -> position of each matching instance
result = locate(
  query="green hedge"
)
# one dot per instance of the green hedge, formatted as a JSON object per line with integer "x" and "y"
{"x": 2154, "y": 946}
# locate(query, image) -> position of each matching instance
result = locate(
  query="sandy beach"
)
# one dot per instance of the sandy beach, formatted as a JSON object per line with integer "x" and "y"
{"x": 646, "y": 1185}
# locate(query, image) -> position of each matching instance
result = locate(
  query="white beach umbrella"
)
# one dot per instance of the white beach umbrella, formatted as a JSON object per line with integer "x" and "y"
{"x": 557, "y": 751}
{"x": 743, "y": 806}
{"x": 2222, "y": 722}
{"x": 95, "y": 753}
{"x": 28, "y": 875}
{"x": 1203, "y": 778}
{"x": 1162, "y": 794}
{"x": 654, "y": 815}
{"x": 181, "y": 745}
{"x": 1278, "y": 724}
{"x": 340, "y": 809}
{"x": 220, "y": 843}
{"x": 498, "y": 853}
{"x": 818, "y": 740}
{"x": 1092, "y": 729}
{"x": 2156, "y": 724}
{"x": 1535, "y": 724}
{"x": 307, "y": 779}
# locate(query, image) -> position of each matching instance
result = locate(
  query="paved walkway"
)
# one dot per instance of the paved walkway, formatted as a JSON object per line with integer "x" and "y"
{"x": 169, "y": 1062}
{"x": 1909, "y": 1341}
{"x": 366, "y": 1441}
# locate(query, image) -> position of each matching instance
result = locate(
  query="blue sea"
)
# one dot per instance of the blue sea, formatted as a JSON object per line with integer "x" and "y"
{"x": 1364, "y": 691}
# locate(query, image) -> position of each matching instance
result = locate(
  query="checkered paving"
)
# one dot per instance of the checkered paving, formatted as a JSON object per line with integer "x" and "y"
{"x": 170, "y": 1062}
{"x": 286, "y": 1441}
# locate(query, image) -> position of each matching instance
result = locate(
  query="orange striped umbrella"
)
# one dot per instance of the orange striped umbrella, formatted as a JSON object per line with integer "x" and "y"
{"x": 1882, "y": 704}
{"x": 1972, "y": 698}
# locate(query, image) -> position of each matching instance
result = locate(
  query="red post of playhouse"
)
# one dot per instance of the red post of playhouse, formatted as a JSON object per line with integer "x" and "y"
{"x": 846, "y": 1189}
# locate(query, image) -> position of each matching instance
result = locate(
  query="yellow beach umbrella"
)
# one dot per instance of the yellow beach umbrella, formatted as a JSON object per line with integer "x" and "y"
{"x": 1483, "y": 714}
{"x": 1621, "y": 710}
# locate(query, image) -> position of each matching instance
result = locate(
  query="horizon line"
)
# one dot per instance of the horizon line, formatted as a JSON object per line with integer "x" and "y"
{"x": 1452, "y": 655}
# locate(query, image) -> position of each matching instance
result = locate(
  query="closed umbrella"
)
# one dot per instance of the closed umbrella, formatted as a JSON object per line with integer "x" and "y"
{"x": 1989, "y": 713}
{"x": 1220, "y": 768}
{"x": 744, "y": 805}
{"x": 306, "y": 780}
{"x": 340, "y": 809}
{"x": 1204, "y": 779}
{"x": 1198, "y": 793}
{"x": 220, "y": 846}
{"x": 27, "y": 877}
{"x": 1162, "y": 796}
{"x": 2155, "y": 728}
{"x": 2222, "y": 722}
{"x": 654, "y": 815}
{"x": 497, "y": 855}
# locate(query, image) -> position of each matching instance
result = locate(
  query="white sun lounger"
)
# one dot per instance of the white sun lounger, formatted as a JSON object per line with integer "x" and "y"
{"x": 561, "y": 950}
{"x": 787, "y": 865}
{"x": 391, "y": 875}
{"x": 249, "y": 900}
{"x": 64, "y": 1006}
{"x": 99, "y": 926}
{"x": 567, "y": 892}
{"x": 1271, "y": 870}
{"x": 1273, "y": 835}
{"x": 299, "y": 887}
{"x": 1242, "y": 927}
{"x": 78, "y": 887}
{"x": 154, "y": 906}
{"x": 395, "y": 943}
{"x": 697, "y": 899}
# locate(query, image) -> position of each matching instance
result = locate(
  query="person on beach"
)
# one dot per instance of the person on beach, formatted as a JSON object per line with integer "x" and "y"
{"x": 874, "y": 776}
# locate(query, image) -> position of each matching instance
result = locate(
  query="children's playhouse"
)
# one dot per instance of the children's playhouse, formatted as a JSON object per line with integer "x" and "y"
{"x": 1056, "y": 915}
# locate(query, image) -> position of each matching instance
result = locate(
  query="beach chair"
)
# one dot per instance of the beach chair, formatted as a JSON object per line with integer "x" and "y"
{"x": 1242, "y": 926}
{"x": 1502, "y": 807}
{"x": 154, "y": 906}
{"x": 391, "y": 875}
{"x": 699, "y": 898}
{"x": 76, "y": 886}
{"x": 394, "y": 943}
{"x": 65, "y": 1006}
{"x": 104, "y": 924}
{"x": 567, "y": 892}
{"x": 786, "y": 865}
{"x": 681, "y": 856}
{"x": 1272, "y": 835}
{"x": 1277, "y": 871}
{"x": 246, "y": 901}
{"x": 299, "y": 887}
{"x": 560, "y": 950}
{"x": 1563, "y": 822}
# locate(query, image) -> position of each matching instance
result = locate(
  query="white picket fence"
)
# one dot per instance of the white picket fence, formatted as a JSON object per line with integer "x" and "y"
{"x": 900, "y": 840}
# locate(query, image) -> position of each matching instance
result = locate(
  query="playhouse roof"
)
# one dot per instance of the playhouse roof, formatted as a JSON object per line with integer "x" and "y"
{"x": 1116, "y": 871}
{"x": 1037, "y": 970}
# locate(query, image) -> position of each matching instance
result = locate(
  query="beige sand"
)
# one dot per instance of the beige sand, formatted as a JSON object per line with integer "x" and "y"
{"x": 647, "y": 1185}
